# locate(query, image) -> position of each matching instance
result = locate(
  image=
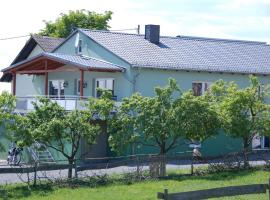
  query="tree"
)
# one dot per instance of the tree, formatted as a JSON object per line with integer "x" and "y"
{"x": 198, "y": 116}
{"x": 164, "y": 120}
{"x": 65, "y": 24}
{"x": 7, "y": 106}
{"x": 243, "y": 111}
{"x": 142, "y": 119}
{"x": 50, "y": 125}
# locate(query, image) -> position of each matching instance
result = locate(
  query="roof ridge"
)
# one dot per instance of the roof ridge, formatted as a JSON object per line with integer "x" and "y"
{"x": 221, "y": 40}
{"x": 185, "y": 37}
{"x": 47, "y": 37}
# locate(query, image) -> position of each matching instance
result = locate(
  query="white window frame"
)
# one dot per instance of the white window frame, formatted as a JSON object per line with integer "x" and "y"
{"x": 203, "y": 85}
{"x": 59, "y": 86}
{"x": 102, "y": 79}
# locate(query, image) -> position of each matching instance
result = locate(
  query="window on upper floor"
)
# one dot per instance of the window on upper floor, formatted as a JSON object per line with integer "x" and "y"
{"x": 199, "y": 88}
{"x": 104, "y": 83}
{"x": 78, "y": 47}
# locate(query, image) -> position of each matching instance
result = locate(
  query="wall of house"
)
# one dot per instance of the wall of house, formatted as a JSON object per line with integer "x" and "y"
{"x": 92, "y": 49}
{"x": 37, "y": 50}
{"x": 29, "y": 85}
{"x": 148, "y": 79}
{"x": 89, "y": 78}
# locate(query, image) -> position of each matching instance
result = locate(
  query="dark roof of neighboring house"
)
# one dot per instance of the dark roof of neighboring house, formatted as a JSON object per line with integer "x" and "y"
{"x": 46, "y": 43}
{"x": 81, "y": 61}
{"x": 186, "y": 53}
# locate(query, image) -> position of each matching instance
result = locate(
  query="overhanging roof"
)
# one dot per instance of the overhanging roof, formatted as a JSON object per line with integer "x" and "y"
{"x": 57, "y": 60}
{"x": 47, "y": 44}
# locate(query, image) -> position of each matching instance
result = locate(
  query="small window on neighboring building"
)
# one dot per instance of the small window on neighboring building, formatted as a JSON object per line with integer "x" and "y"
{"x": 104, "y": 83}
{"x": 199, "y": 88}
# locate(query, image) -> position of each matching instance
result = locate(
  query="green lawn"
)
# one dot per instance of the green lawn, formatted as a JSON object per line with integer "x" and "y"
{"x": 146, "y": 190}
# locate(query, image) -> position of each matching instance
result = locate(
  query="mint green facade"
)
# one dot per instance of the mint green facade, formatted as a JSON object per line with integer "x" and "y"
{"x": 134, "y": 80}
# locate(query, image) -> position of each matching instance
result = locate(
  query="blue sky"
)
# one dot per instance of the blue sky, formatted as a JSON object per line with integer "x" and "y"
{"x": 235, "y": 19}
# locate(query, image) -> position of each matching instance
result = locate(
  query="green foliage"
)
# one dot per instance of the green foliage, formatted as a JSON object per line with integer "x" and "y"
{"x": 50, "y": 125}
{"x": 197, "y": 116}
{"x": 151, "y": 116}
{"x": 64, "y": 24}
{"x": 163, "y": 120}
{"x": 7, "y": 105}
{"x": 244, "y": 111}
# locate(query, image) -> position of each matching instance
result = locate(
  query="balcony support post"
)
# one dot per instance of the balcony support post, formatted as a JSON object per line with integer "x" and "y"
{"x": 81, "y": 83}
{"x": 14, "y": 83}
{"x": 46, "y": 77}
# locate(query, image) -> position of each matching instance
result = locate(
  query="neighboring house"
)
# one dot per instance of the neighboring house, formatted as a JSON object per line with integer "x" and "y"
{"x": 128, "y": 63}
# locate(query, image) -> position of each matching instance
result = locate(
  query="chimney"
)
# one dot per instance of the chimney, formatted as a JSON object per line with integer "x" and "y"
{"x": 152, "y": 33}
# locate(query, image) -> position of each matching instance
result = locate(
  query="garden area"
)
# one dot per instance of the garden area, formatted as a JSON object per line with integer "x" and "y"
{"x": 163, "y": 122}
{"x": 115, "y": 188}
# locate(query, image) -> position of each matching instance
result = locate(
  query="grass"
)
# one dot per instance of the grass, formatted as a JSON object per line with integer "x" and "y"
{"x": 146, "y": 190}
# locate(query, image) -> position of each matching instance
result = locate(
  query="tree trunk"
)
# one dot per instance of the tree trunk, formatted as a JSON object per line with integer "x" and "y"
{"x": 245, "y": 153}
{"x": 162, "y": 159}
{"x": 70, "y": 163}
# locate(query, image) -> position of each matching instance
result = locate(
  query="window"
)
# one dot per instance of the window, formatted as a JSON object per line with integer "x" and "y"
{"x": 106, "y": 83}
{"x": 261, "y": 90}
{"x": 199, "y": 88}
{"x": 78, "y": 47}
{"x": 56, "y": 88}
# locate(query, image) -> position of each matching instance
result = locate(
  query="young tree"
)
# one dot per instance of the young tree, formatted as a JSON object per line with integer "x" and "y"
{"x": 164, "y": 120}
{"x": 243, "y": 111}
{"x": 50, "y": 125}
{"x": 65, "y": 24}
{"x": 198, "y": 116}
{"x": 147, "y": 120}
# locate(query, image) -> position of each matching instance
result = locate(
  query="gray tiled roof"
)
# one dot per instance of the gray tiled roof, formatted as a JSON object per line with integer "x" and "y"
{"x": 48, "y": 44}
{"x": 85, "y": 62}
{"x": 75, "y": 60}
{"x": 187, "y": 53}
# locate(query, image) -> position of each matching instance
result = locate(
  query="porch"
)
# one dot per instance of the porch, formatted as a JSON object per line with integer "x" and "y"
{"x": 68, "y": 80}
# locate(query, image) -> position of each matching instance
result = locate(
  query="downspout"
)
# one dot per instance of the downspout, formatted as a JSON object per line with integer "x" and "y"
{"x": 133, "y": 81}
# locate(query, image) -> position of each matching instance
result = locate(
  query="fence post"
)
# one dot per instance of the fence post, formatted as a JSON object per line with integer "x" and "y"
{"x": 75, "y": 168}
{"x": 269, "y": 189}
{"x": 166, "y": 194}
{"x": 192, "y": 167}
{"x": 35, "y": 173}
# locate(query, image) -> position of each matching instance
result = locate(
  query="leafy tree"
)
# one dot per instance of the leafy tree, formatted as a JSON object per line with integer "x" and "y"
{"x": 65, "y": 24}
{"x": 164, "y": 120}
{"x": 50, "y": 125}
{"x": 7, "y": 106}
{"x": 243, "y": 111}
{"x": 198, "y": 116}
{"x": 142, "y": 119}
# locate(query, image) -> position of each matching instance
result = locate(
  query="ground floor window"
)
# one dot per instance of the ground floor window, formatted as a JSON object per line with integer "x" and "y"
{"x": 261, "y": 142}
{"x": 199, "y": 88}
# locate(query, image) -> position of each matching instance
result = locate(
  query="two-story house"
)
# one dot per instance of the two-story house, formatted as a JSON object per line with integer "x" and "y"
{"x": 69, "y": 70}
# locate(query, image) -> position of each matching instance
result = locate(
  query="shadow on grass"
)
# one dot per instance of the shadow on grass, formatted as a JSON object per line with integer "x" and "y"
{"x": 23, "y": 191}
{"x": 217, "y": 176}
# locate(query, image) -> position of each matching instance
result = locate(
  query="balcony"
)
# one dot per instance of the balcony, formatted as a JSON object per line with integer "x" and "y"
{"x": 69, "y": 103}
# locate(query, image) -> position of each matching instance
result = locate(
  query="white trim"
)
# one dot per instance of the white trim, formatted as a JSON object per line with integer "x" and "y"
{"x": 102, "y": 79}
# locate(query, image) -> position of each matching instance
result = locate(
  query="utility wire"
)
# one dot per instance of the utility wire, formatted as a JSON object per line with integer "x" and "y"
{"x": 22, "y": 36}
{"x": 15, "y": 37}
